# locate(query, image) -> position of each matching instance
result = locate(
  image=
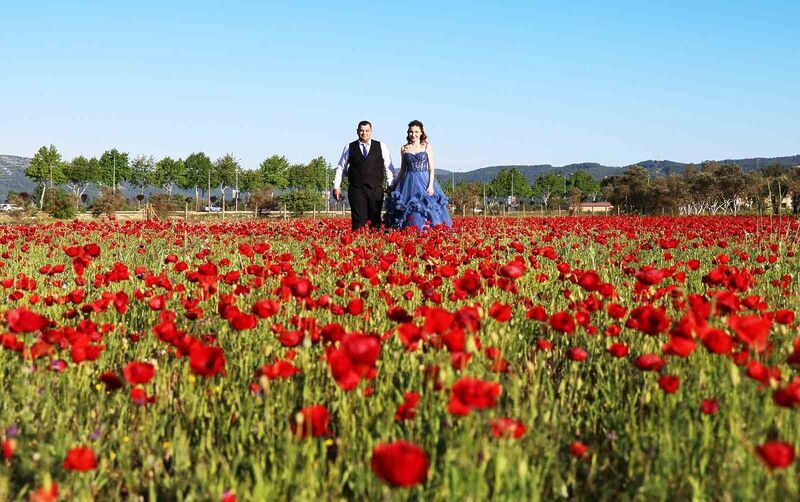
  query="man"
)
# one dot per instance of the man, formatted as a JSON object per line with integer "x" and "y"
{"x": 368, "y": 166}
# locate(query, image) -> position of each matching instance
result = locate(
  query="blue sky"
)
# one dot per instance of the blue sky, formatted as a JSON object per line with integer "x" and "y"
{"x": 506, "y": 83}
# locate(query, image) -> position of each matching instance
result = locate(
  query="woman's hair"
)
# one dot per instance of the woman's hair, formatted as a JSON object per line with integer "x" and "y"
{"x": 423, "y": 138}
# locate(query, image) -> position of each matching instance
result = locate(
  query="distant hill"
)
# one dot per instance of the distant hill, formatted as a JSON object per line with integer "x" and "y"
{"x": 599, "y": 171}
{"x": 12, "y": 171}
{"x": 12, "y": 175}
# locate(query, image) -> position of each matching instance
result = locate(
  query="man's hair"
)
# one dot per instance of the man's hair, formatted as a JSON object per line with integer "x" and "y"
{"x": 365, "y": 123}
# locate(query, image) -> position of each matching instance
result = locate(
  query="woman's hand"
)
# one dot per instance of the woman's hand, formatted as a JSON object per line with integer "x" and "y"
{"x": 430, "y": 190}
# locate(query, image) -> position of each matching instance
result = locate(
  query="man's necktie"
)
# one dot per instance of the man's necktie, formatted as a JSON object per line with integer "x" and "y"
{"x": 364, "y": 149}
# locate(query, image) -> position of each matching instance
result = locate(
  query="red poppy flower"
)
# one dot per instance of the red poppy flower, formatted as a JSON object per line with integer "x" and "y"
{"x": 206, "y": 361}
{"x": 650, "y": 277}
{"x": 355, "y": 306}
{"x": 577, "y": 354}
{"x": 718, "y": 342}
{"x": 784, "y": 316}
{"x": 649, "y": 320}
{"x": 21, "y": 320}
{"x": 408, "y": 407}
{"x": 513, "y": 270}
{"x": 709, "y": 406}
{"x": 470, "y": 393}
{"x": 679, "y": 346}
{"x": 649, "y": 362}
{"x": 618, "y": 350}
{"x": 616, "y": 311}
{"x": 111, "y": 380}
{"x": 469, "y": 284}
{"x": 507, "y": 427}
{"x": 81, "y": 459}
{"x": 279, "y": 369}
{"x": 354, "y": 359}
{"x": 752, "y": 330}
{"x": 140, "y": 397}
{"x": 311, "y": 421}
{"x": 578, "y": 449}
{"x": 265, "y": 308}
{"x": 400, "y": 463}
{"x": 500, "y": 311}
{"x": 410, "y": 335}
{"x": 669, "y": 383}
{"x": 776, "y": 454}
{"x": 242, "y": 321}
{"x": 44, "y": 493}
{"x": 437, "y": 320}
{"x": 563, "y": 322}
{"x": 138, "y": 372}
{"x": 9, "y": 445}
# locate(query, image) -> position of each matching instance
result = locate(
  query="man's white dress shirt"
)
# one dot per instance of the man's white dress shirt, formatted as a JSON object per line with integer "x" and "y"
{"x": 344, "y": 162}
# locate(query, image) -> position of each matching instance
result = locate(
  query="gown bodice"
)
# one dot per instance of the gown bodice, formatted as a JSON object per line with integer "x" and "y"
{"x": 416, "y": 162}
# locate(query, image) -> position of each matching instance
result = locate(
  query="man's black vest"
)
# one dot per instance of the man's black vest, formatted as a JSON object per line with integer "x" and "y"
{"x": 365, "y": 172}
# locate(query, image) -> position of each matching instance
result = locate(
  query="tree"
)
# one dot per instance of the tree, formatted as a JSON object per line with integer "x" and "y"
{"x": 46, "y": 167}
{"x": 198, "y": 167}
{"x": 169, "y": 173}
{"x": 250, "y": 181}
{"x": 302, "y": 200}
{"x": 671, "y": 193}
{"x": 731, "y": 182}
{"x": 754, "y": 191}
{"x": 777, "y": 184}
{"x": 78, "y": 174}
{"x": 60, "y": 205}
{"x": 311, "y": 176}
{"x": 224, "y": 174}
{"x": 548, "y": 185}
{"x": 275, "y": 172}
{"x": 584, "y": 184}
{"x": 793, "y": 183}
{"x": 511, "y": 182}
{"x": 114, "y": 169}
{"x": 631, "y": 191}
{"x": 464, "y": 195}
{"x": 142, "y": 171}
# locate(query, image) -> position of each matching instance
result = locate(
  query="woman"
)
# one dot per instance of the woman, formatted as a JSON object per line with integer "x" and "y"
{"x": 416, "y": 198}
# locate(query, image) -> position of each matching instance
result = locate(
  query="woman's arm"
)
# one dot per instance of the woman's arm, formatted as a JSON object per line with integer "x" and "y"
{"x": 402, "y": 168}
{"x": 431, "y": 178}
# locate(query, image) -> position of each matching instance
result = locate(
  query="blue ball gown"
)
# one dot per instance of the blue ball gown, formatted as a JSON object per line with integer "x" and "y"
{"x": 409, "y": 203}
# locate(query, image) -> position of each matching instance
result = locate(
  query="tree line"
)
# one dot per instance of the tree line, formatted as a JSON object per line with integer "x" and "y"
{"x": 197, "y": 172}
{"x": 708, "y": 188}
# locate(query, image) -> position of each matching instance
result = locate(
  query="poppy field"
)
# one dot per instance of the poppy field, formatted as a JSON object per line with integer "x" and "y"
{"x": 507, "y": 358}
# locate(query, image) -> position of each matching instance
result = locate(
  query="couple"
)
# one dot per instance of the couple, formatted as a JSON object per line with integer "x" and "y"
{"x": 415, "y": 197}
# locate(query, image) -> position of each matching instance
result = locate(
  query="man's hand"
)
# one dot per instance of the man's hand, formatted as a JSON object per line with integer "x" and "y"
{"x": 337, "y": 194}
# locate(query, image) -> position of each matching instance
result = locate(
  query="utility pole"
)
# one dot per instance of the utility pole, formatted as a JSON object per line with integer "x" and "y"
{"x": 236, "y": 205}
{"x": 114, "y": 172}
{"x": 326, "y": 192}
{"x": 51, "y": 183}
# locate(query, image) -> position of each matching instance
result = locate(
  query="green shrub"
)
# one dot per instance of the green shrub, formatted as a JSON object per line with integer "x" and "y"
{"x": 164, "y": 205}
{"x": 108, "y": 203}
{"x": 60, "y": 204}
{"x": 301, "y": 201}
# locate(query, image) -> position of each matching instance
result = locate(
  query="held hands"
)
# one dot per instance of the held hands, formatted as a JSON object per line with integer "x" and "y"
{"x": 429, "y": 190}
{"x": 337, "y": 194}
